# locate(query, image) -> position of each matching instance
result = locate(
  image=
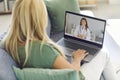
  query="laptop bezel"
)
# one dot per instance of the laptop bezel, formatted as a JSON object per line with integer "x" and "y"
{"x": 81, "y": 40}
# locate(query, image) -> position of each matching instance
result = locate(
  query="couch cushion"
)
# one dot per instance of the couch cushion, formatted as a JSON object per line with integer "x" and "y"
{"x": 56, "y": 10}
{"x": 6, "y": 63}
{"x": 46, "y": 74}
{"x": 48, "y": 27}
{"x": 2, "y": 36}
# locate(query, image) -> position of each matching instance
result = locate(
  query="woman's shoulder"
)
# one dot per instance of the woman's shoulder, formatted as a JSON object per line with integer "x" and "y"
{"x": 45, "y": 45}
{"x": 36, "y": 44}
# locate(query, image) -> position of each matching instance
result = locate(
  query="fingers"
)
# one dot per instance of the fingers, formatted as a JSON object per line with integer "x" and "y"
{"x": 86, "y": 53}
{"x": 80, "y": 52}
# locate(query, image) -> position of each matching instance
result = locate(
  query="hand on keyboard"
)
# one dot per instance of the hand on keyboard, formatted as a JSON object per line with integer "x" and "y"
{"x": 79, "y": 54}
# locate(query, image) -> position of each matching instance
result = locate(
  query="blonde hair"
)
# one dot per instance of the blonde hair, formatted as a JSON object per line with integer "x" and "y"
{"x": 29, "y": 21}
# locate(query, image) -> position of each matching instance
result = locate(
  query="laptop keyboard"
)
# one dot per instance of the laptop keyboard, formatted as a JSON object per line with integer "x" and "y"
{"x": 80, "y": 46}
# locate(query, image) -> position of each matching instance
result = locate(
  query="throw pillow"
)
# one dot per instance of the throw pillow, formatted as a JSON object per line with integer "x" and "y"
{"x": 56, "y": 10}
{"x": 46, "y": 74}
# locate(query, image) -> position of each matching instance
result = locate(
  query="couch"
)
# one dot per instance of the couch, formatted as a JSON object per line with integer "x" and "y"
{"x": 6, "y": 62}
{"x": 6, "y": 71}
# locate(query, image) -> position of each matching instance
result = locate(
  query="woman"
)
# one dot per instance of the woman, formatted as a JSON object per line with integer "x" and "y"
{"x": 29, "y": 45}
{"x": 82, "y": 31}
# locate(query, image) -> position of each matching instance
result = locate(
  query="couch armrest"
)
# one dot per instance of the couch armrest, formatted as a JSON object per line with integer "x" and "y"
{"x": 2, "y": 36}
{"x": 6, "y": 63}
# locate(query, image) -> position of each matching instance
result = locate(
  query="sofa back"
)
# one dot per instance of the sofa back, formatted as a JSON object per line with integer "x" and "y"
{"x": 6, "y": 64}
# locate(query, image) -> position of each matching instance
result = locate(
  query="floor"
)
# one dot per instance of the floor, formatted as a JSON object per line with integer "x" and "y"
{"x": 102, "y": 10}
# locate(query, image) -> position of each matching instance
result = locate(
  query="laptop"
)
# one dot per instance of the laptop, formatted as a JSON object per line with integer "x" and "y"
{"x": 82, "y": 32}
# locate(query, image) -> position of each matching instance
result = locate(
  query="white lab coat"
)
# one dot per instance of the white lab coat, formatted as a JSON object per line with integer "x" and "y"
{"x": 80, "y": 30}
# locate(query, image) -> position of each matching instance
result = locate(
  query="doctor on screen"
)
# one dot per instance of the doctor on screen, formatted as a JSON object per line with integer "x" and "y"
{"x": 82, "y": 31}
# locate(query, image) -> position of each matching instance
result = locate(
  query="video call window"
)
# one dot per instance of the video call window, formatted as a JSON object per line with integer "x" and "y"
{"x": 84, "y": 28}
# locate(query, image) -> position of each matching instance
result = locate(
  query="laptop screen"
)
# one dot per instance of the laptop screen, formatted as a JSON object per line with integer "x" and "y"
{"x": 85, "y": 28}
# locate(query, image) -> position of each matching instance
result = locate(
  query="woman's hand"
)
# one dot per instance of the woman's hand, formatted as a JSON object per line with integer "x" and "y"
{"x": 79, "y": 55}
{"x": 62, "y": 63}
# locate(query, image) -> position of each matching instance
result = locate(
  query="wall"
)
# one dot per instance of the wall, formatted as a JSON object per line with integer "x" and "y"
{"x": 1, "y": 6}
{"x": 109, "y": 1}
{"x": 114, "y": 1}
{"x": 102, "y": 0}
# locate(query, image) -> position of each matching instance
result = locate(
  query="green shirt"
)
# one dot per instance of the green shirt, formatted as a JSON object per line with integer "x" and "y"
{"x": 39, "y": 59}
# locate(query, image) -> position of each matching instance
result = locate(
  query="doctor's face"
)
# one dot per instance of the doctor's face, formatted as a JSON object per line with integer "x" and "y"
{"x": 83, "y": 23}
